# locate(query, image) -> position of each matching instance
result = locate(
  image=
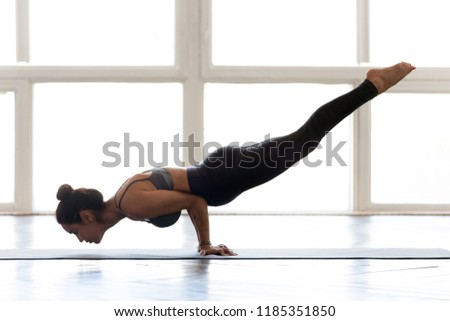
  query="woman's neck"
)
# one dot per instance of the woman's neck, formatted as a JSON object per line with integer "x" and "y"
{"x": 111, "y": 214}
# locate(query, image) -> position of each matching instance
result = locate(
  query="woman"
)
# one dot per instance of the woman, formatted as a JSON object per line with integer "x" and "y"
{"x": 157, "y": 196}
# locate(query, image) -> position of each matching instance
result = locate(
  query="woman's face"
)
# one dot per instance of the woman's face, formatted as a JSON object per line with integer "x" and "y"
{"x": 90, "y": 233}
{"x": 88, "y": 230}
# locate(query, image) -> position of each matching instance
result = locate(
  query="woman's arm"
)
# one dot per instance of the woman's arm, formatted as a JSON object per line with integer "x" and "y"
{"x": 148, "y": 204}
{"x": 198, "y": 212}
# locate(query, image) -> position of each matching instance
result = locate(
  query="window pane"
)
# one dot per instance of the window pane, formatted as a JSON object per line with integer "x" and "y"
{"x": 247, "y": 113}
{"x": 283, "y": 32}
{"x": 414, "y": 31}
{"x": 7, "y": 146}
{"x": 410, "y": 149}
{"x": 96, "y": 135}
{"x": 102, "y": 32}
{"x": 7, "y": 31}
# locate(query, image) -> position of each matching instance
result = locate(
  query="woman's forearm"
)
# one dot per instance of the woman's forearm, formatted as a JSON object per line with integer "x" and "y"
{"x": 198, "y": 213}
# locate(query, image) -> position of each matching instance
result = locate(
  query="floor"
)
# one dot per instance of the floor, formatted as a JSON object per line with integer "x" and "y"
{"x": 217, "y": 280}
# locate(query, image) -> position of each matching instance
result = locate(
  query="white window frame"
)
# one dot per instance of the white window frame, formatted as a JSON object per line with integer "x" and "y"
{"x": 193, "y": 68}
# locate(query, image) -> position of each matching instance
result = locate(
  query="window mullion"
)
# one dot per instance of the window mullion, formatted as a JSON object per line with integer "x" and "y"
{"x": 23, "y": 166}
{"x": 22, "y": 31}
{"x": 24, "y": 147}
{"x": 361, "y": 129}
{"x": 361, "y": 159}
{"x": 189, "y": 16}
{"x": 363, "y": 31}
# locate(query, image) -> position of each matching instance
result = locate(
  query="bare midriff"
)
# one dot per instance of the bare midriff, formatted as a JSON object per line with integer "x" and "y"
{"x": 179, "y": 177}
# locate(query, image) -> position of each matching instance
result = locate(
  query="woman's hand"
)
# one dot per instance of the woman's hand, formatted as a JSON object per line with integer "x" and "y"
{"x": 220, "y": 249}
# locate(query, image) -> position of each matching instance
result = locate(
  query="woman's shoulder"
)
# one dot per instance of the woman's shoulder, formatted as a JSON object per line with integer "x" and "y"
{"x": 131, "y": 185}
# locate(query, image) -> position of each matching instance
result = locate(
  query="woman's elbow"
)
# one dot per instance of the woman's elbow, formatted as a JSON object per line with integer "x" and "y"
{"x": 197, "y": 201}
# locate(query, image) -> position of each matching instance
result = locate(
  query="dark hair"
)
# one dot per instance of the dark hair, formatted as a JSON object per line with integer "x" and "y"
{"x": 73, "y": 201}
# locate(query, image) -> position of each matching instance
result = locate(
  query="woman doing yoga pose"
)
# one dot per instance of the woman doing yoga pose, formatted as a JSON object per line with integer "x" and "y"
{"x": 158, "y": 195}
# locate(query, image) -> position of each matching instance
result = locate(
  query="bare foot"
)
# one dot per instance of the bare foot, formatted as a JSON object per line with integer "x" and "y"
{"x": 385, "y": 78}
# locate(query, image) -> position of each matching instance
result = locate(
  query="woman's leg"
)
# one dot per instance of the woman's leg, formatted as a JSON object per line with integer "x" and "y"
{"x": 259, "y": 163}
{"x": 268, "y": 159}
{"x": 232, "y": 170}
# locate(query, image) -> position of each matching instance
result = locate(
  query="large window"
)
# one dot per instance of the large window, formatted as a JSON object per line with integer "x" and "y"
{"x": 416, "y": 35}
{"x": 284, "y": 33}
{"x": 97, "y": 134}
{"x": 7, "y": 34}
{"x": 92, "y": 91}
{"x": 410, "y": 149}
{"x": 7, "y": 142}
{"x": 102, "y": 32}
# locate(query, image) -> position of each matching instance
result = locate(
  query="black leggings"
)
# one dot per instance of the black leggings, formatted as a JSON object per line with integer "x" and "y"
{"x": 231, "y": 170}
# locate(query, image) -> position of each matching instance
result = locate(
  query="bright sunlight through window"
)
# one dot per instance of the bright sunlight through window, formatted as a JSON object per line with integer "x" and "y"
{"x": 102, "y": 32}
{"x": 7, "y": 146}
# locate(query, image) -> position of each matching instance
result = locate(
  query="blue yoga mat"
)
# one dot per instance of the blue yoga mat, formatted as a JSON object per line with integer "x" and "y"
{"x": 243, "y": 254}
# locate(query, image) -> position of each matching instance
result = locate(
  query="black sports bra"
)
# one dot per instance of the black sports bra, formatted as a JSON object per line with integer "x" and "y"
{"x": 162, "y": 179}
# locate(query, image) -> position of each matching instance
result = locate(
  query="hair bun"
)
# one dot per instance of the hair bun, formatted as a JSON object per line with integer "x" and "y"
{"x": 64, "y": 192}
